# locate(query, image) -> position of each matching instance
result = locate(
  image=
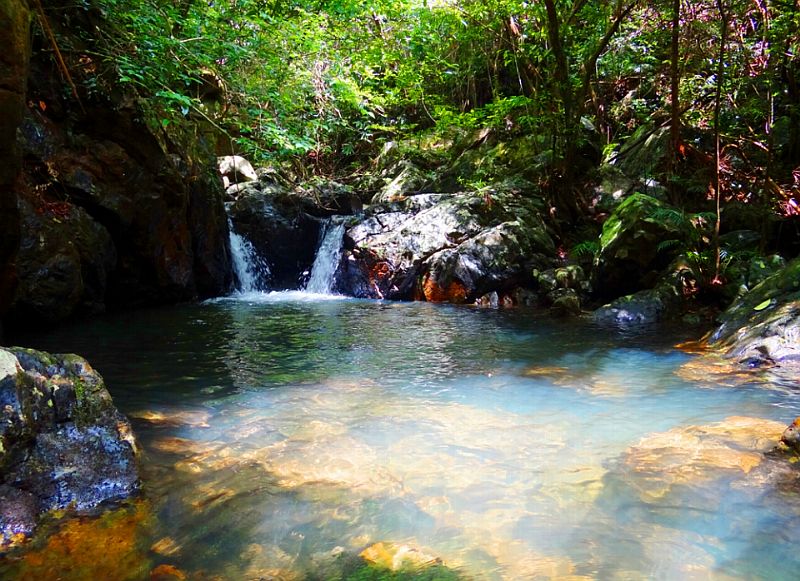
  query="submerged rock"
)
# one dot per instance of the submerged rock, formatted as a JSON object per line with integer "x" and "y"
{"x": 395, "y": 557}
{"x": 63, "y": 444}
{"x": 694, "y": 455}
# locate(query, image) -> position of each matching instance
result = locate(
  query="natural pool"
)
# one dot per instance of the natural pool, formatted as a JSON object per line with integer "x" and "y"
{"x": 284, "y": 431}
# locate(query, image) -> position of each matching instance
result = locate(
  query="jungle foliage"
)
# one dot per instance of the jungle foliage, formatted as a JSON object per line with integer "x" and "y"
{"x": 327, "y": 82}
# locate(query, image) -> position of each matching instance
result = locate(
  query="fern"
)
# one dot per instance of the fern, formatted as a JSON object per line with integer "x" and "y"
{"x": 584, "y": 250}
{"x": 669, "y": 245}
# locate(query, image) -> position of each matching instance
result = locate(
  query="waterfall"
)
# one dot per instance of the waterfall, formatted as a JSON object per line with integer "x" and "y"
{"x": 252, "y": 271}
{"x": 327, "y": 261}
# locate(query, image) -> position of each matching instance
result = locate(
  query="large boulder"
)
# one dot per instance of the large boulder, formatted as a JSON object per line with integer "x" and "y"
{"x": 629, "y": 253}
{"x": 63, "y": 444}
{"x": 446, "y": 247}
{"x": 147, "y": 204}
{"x": 763, "y": 326}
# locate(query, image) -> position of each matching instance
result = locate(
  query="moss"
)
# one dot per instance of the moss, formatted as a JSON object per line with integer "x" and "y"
{"x": 374, "y": 573}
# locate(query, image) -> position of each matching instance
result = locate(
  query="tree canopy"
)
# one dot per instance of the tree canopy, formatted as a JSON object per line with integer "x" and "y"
{"x": 327, "y": 82}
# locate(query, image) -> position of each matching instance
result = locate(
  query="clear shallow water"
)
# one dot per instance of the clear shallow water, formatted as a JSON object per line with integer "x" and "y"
{"x": 280, "y": 429}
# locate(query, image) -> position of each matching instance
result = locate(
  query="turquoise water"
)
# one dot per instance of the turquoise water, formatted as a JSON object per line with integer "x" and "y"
{"x": 281, "y": 431}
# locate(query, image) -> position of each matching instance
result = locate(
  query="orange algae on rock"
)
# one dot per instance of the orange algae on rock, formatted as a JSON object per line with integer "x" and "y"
{"x": 107, "y": 547}
{"x": 167, "y": 573}
{"x": 455, "y": 292}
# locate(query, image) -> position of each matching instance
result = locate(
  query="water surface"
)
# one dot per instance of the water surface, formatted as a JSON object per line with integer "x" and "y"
{"x": 283, "y": 430}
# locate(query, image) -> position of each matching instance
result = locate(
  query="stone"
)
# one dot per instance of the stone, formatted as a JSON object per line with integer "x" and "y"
{"x": 565, "y": 302}
{"x": 63, "y": 444}
{"x": 235, "y": 169}
{"x": 281, "y": 231}
{"x": 762, "y": 327}
{"x": 642, "y": 308}
{"x": 732, "y": 448}
{"x": 395, "y": 556}
{"x": 446, "y": 247}
{"x": 19, "y": 511}
{"x": 629, "y": 247}
{"x": 791, "y": 435}
{"x": 145, "y": 204}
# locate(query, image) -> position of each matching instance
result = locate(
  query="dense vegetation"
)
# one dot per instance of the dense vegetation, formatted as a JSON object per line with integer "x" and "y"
{"x": 324, "y": 84}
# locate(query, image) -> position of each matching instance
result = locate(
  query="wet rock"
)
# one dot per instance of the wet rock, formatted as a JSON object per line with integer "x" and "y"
{"x": 105, "y": 547}
{"x": 629, "y": 247}
{"x": 19, "y": 511}
{"x": 693, "y": 455}
{"x": 446, "y": 247}
{"x": 281, "y": 231}
{"x": 763, "y": 327}
{"x": 396, "y": 557}
{"x": 791, "y": 435}
{"x": 61, "y": 438}
{"x": 642, "y": 308}
{"x": 565, "y": 302}
{"x": 64, "y": 263}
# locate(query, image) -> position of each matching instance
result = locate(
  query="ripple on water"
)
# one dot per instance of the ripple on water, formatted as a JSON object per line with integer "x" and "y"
{"x": 282, "y": 432}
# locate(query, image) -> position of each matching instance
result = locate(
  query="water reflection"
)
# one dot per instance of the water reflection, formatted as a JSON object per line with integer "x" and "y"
{"x": 282, "y": 433}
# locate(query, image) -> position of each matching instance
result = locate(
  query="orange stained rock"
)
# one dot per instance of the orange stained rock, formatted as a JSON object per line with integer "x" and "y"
{"x": 167, "y": 573}
{"x": 455, "y": 292}
{"x": 108, "y": 547}
{"x": 695, "y": 347}
{"x": 395, "y": 557}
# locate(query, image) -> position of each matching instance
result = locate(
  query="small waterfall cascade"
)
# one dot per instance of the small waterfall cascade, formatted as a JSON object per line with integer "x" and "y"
{"x": 329, "y": 254}
{"x": 252, "y": 271}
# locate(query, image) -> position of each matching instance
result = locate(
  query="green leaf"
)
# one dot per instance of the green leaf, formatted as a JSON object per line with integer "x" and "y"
{"x": 763, "y": 305}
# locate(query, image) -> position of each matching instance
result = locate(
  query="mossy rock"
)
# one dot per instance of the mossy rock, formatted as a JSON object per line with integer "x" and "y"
{"x": 629, "y": 246}
{"x": 763, "y": 326}
{"x": 61, "y": 439}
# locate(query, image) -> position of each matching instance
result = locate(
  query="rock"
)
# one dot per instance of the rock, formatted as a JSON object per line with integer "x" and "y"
{"x": 685, "y": 456}
{"x": 565, "y": 302}
{"x": 612, "y": 190}
{"x": 63, "y": 444}
{"x": 110, "y": 546}
{"x": 629, "y": 247}
{"x": 407, "y": 181}
{"x": 64, "y": 263}
{"x": 446, "y": 247}
{"x": 763, "y": 326}
{"x": 280, "y": 230}
{"x": 19, "y": 511}
{"x": 791, "y": 435}
{"x": 395, "y": 557}
{"x": 235, "y": 169}
{"x": 642, "y": 308}
{"x": 643, "y": 151}
{"x": 146, "y": 203}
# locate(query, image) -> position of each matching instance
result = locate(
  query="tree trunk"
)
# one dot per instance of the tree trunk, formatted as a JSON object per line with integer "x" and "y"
{"x": 675, "y": 106}
{"x": 723, "y": 39}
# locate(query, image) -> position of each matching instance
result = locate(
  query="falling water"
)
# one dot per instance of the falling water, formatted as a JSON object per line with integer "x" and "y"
{"x": 252, "y": 271}
{"x": 327, "y": 261}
